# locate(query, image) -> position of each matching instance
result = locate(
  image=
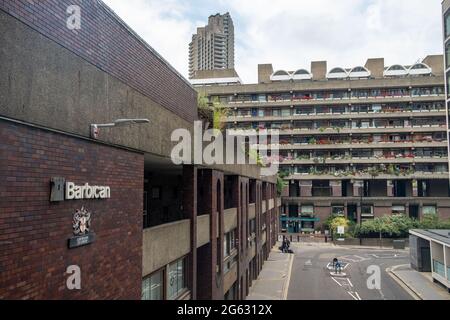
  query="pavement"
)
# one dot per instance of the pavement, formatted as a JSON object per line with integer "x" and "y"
{"x": 274, "y": 279}
{"x": 420, "y": 285}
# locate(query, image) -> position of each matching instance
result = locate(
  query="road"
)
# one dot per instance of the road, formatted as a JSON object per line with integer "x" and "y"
{"x": 311, "y": 280}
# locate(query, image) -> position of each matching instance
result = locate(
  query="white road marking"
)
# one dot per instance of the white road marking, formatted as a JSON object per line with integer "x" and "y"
{"x": 351, "y": 284}
{"x": 359, "y": 298}
{"x": 340, "y": 285}
{"x": 352, "y": 295}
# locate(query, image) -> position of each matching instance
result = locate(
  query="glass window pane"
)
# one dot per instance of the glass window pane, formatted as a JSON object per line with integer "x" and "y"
{"x": 152, "y": 287}
{"x": 177, "y": 280}
{"x": 447, "y": 25}
{"x": 429, "y": 210}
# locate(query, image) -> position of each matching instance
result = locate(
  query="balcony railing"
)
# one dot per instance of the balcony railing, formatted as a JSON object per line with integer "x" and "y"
{"x": 341, "y": 95}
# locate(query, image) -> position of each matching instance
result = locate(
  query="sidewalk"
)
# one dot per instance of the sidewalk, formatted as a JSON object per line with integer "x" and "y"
{"x": 273, "y": 281}
{"x": 421, "y": 284}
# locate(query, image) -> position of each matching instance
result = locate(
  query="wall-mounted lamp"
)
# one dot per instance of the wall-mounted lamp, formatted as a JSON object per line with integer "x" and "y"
{"x": 95, "y": 128}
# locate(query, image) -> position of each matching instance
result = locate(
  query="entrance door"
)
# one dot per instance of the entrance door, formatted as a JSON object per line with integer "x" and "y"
{"x": 426, "y": 259}
{"x": 414, "y": 211}
{"x": 352, "y": 212}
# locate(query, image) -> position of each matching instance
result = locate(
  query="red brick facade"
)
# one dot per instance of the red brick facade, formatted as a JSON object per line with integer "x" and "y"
{"x": 106, "y": 42}
{"x": 34, "y": 232}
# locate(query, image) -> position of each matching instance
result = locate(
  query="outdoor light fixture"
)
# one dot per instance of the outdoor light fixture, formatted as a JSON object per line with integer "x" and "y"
{"x": 95, "y": 128}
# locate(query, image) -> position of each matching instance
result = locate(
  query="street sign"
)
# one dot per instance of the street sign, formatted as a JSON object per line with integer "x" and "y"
{"x": 341, "y": 230}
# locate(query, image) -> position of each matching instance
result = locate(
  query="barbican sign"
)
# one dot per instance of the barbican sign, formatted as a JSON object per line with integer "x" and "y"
{"x": 62, "y": 190}
{"x": 74, "y": 192}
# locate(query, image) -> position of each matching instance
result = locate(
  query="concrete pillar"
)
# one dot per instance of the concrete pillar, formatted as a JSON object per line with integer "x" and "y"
{"x": 190, "y": 212}
{"x": 390, "y": 188}
{"x": 357, "y": 188}
{"x": 415, "y": 188}
{"x": 210, "y": 256}
{"x": 336, "y": 188}
{"x": 306, "y": 188}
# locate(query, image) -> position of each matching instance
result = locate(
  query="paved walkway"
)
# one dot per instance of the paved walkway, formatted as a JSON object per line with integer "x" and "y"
{"x": 273, "y": 281}
{"x": 421, "y": 284}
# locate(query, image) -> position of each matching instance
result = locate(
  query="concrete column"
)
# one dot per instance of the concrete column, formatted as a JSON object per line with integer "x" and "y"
{"x": 306, "y": 188}
{"x": 415, "y": 188}
{"x": 336, "y": 188}
{"x": 190, "y": 212}
{"x": 390, "y": 188}
{"x": 210, "y": 256}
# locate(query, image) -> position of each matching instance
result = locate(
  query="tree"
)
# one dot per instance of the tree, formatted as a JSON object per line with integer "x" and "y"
{"x": 281, "y": 184}
{"x": 334, "y": 221}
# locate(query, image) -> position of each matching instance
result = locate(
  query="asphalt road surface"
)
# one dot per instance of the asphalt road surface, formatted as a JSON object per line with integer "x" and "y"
{"x": 312, "y": 280}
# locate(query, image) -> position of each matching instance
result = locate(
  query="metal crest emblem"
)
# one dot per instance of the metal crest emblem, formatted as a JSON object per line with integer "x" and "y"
{"x": 81, "y": 222}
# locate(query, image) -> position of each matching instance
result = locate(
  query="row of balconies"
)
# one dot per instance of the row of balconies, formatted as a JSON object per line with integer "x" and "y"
{"x": 336, "y": 101}
{"x": 339, "y": 95}
{"x": 248, "y": 131}
{"x": 341, "y": 115}
{"x": 365, "y": 175}
{"x": 335, "y": 145}
{"x": 354, "y": 160}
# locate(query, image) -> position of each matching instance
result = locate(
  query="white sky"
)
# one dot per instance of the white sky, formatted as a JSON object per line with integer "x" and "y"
{"x": 292, "y": 33}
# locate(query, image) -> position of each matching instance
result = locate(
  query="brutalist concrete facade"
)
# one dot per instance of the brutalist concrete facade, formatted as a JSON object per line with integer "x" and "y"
{"x": 362, "y": 142}
{"x": 180, "y": 231}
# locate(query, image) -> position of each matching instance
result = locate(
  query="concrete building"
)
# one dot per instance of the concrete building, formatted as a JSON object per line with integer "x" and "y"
{"x": 212, "y": 47}
{"x": 140, "y": 227}
{"x": 362, "y": 142}
{"x": 446, "y": 33}
{"x": 430, "y": 252}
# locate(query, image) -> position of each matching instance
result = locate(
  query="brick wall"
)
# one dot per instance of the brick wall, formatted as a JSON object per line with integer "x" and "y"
{"x": 34, "y": 233}
{"x": 106, "y": 42}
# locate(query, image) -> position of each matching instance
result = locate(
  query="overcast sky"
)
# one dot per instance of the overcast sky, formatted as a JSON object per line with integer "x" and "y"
{"x": 292, "y": 33}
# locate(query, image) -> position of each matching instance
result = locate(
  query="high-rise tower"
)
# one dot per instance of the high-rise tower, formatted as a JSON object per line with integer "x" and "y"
{"x": 212, "y": 47}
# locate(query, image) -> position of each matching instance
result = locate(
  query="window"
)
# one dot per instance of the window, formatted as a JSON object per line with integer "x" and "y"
{"x": 447, "y": 55}
{"x": 153, "y": 286}
{"x": 230, "y": 250}
{"x": 177, "y": 279}
{"x": 429, "y": 210}
{"x": 229, "y": 243}
{"x": 307, "y": 210}
{"x": 338, "y": 210}
{"x": 448, "y": 83}
{"x": 286, "y": 112}
{"x": 398, "y": 210}
{"x": 447, "y": 24}
{"x": 276, "y": 112}
{"x": 367, "y": 210}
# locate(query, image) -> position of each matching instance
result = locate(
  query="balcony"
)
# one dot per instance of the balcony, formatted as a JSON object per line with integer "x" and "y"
{"x": 346, "y": 115}
{"x": 367, "y": 176}
{"x": 308, "y": 101}
{"x": 159, "y": 249}
{"x": 336, "y": 146}
{"x": 371, "y": 160}
{"x": 249, "y": 131}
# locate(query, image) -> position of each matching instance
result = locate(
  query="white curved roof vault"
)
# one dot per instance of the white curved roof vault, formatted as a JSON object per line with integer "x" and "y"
{"x": 337, "y": 73}
{"x": 419, "y": 68}
{"x": 280, "y": 75}
{"x": 359, "y": 72}
{"x": 396, "y": 70}
{"x": 302, "y": 74}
